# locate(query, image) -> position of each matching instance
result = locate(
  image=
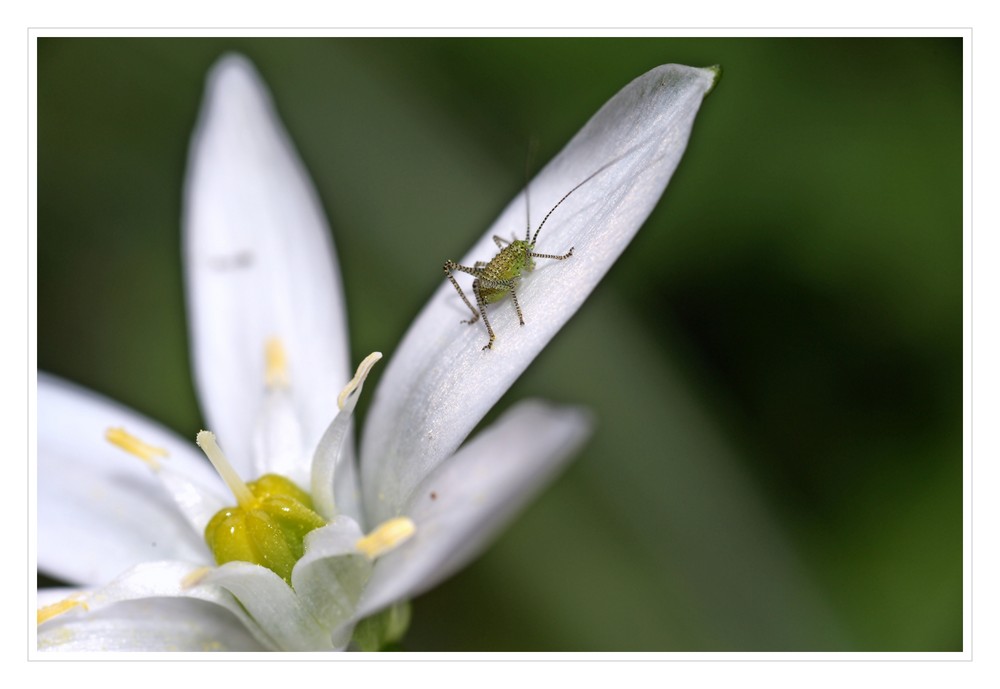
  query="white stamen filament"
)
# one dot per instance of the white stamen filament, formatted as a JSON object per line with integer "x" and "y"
{"x": 206, "y": 441}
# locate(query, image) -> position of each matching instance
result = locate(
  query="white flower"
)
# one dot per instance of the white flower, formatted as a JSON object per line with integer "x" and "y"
{"x": 270, "y": 356}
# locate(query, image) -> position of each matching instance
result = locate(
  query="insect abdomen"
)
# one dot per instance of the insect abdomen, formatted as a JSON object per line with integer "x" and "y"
{"x": 491, "y": 296}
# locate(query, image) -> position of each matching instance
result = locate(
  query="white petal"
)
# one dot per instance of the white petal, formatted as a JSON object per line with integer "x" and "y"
{"x": 277, "y": 439}
{"x": 100, "y": 510}
{"x": 151, "y": 625}
{"x": 331, "y": 575}
{"x": 149, "y": 608}
{"x": 260, "y": 264}
{"x": 460, "y": 507}
{"x": 273, "y": 605}
{"x": 440, "y": 383}
{"x": 197, "y": 503}
{"x": 48, "y": 596}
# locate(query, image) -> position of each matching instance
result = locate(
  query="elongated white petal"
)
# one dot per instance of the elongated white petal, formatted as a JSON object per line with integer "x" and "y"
{"x": 151, "y": 625}
{"x": 49, "y": 596}
{"x": 331, "y": 575}
{"x": 195, "y": 502}
{"x": 100, "y": 510}
{"x": 277, "y": 439}
{"x": 440, "y": 383}
{"x": 273, "y": 605}
{"x": 111, "y": 618}
{"x": 461, "y": 506}
{"x": 259, "y": 264}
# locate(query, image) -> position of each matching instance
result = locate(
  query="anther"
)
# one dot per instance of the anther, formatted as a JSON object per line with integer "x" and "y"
{"x": 359, "y": 377}
{"x": 387, "y": 536}
{"x": 276, "y": 364}
{"x": 47, "y": 612}
{"x": 136, "y": 447}
{"x": 194, "y": 577}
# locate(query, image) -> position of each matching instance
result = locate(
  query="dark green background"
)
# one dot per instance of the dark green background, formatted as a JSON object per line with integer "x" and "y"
{"x": 775, "y": 362}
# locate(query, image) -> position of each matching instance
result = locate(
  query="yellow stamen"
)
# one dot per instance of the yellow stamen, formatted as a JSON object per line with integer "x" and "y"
{"x": 194, "y": 577}
{"x": 359, "y": 377}
{"x": 206, "y": 441}
{"x": 276, "y": 370}
{"x": 386, "y": 536}
{"x": 128, "y": 442}
{"x": 47, "y": 612}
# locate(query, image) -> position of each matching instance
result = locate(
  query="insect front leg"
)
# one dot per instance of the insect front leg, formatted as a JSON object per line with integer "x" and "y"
{"x": 558, "y": 258}
{"x": 451, "y": 266}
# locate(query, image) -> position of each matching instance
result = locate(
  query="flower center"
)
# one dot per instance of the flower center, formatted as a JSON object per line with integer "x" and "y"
{"x": 272, "y": 516}
{"x": 269, "y": 523}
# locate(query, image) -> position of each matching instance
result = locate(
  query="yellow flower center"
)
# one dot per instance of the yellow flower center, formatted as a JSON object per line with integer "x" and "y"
{"x": 270, "y": 530}
{"x": 269, "y": 523}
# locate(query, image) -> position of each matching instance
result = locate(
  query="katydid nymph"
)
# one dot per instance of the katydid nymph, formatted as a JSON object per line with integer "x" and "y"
{"x": 498, "y": 277}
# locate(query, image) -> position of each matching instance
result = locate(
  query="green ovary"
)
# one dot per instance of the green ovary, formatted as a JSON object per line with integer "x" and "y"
{"x": 270, "y": 531}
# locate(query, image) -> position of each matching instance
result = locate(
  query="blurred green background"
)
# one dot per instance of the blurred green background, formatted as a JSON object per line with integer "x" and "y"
{"x": 775, "y": 362}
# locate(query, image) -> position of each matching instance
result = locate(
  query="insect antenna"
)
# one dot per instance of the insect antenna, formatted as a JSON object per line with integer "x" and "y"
{"x": 591, "y": 176}
{"x": 532, "y": 149}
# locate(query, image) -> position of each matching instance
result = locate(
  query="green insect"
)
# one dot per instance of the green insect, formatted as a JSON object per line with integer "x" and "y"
{"x": 498, "y": 277}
